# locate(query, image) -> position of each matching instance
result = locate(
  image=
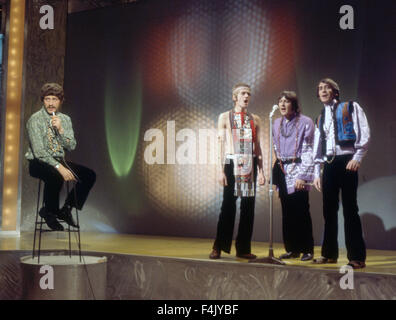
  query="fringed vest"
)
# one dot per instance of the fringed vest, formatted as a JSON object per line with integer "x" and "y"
{"x": 344, "y": 134}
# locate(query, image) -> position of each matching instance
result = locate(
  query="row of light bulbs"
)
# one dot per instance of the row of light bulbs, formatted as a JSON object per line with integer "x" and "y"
{"x": 13, "y": 110}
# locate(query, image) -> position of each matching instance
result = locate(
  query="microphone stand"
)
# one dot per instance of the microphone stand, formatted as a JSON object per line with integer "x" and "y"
{"x": 270, "y": 259}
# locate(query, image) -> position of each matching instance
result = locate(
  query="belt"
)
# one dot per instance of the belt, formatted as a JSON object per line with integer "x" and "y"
{"x": 288, "y": 161}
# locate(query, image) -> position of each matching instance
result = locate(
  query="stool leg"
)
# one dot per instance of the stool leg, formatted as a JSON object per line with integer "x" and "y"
{"x": 78, "y": 223}
{"x": 39, "y": 247}
{"x": 79, "y": 238}
{"x": 68, "y": 227}
{"x": 40, "y": 233}
{"x": 36, "y": 220}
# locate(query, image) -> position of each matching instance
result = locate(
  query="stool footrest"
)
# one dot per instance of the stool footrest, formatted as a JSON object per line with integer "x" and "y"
{"x": 39, "y": 227}
{"x": 66, "y": 230}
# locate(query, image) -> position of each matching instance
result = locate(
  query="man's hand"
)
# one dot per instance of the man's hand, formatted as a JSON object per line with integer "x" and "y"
{"x": 223, "y": 179}
{"x": 353, "y": 165}
{"x": 66, "y": 173}
{"x": 317, "y": 184}
{"x": 261, "y": 179}
{"x": 56, "y": 122}
{"x": 300, "y": 184}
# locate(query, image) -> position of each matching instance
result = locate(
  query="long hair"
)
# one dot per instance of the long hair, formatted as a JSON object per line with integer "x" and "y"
{"x": 292, "y": 97}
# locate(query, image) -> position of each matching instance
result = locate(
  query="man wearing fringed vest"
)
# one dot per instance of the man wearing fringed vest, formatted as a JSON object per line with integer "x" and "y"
{"x": 293, "y": 171}
{"x": 239, "y": 158}
{"x": 342, "y": 136}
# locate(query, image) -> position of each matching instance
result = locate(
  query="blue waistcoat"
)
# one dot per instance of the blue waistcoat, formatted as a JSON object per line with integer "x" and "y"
{"x": 342, "y": 116}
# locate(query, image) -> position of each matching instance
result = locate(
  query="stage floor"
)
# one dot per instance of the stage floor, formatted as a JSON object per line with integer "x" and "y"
{"x": 378, "y": 261}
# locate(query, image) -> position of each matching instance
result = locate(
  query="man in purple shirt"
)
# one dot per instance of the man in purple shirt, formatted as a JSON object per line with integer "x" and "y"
{"x": 293, "y": 172}
{"x": 342, "y": 136}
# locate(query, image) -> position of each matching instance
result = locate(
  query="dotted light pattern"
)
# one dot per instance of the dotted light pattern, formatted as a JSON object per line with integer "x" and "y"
{"x": 185, "y": 190}
{"x": 212, "y": 49}
{"x": 209, "y": 49}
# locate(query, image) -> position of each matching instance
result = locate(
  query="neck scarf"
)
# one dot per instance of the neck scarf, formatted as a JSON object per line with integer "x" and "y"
{"x": 243, "y": 136}
{"x": 53, "y": 142}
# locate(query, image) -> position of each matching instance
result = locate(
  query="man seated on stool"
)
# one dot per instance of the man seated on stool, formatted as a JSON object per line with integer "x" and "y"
{"x": 50, "y": 133}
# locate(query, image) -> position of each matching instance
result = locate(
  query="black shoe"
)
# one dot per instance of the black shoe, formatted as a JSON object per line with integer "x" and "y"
{"x": 66, "y": 215}
{"x": 50, "y": 220}
{"x": 290, "y": 255}
{"x": 43, "y": 213}
{"x": 307, "y": 257}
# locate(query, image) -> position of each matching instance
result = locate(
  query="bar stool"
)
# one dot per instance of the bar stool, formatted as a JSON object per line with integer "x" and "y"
{"x": 38, "y": 227}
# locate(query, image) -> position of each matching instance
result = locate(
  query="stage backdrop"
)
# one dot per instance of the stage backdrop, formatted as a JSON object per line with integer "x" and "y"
{"x": 144, "y": 80}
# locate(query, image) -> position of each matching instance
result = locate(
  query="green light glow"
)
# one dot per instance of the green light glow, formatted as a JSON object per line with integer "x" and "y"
{"x": 123, "y": 109}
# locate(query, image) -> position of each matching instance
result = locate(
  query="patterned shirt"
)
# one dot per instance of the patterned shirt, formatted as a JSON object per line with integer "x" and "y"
{"x": 44, "y": 144}
{"x": 295, "y": 139}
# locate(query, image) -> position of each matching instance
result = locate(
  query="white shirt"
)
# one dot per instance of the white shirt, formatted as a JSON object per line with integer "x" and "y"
{"x": 362, "y": 131}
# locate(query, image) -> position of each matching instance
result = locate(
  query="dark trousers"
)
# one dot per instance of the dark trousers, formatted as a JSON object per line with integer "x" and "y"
{"x": 225, "y": 226}
{"x": 336, "y": 178}
{"x": 53, "y": 182}
{"x": 296, "y": 219}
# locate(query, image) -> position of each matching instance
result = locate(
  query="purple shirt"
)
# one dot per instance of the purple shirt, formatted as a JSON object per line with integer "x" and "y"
{"x": 286, "y": 148}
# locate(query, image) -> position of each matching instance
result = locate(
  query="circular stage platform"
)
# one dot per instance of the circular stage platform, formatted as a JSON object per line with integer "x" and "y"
{"x": 61, "y": 277}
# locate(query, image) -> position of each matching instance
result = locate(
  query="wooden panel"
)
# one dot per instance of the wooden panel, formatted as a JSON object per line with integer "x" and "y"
{"x": 44, "y": 62}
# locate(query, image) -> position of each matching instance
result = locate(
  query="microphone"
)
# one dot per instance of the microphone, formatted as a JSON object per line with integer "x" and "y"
{"x": 55, "y": 128}
{"x": 274, "y": 108}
